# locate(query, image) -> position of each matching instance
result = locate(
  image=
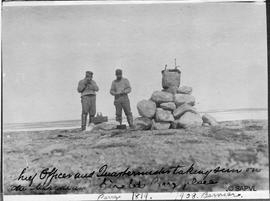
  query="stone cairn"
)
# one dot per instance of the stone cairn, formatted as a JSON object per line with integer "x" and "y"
{"x": 172, "y": 107}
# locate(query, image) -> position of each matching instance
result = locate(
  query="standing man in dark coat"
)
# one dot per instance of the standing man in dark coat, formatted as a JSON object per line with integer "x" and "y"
{"x": 120, "y": 89}
{"x": 88, "y": 88}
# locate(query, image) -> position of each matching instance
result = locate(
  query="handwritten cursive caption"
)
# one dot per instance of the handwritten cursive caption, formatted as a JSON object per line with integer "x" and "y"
{"x": 171, "y": 178}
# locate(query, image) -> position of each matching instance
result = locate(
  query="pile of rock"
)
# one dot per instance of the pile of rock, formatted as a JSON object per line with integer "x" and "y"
{"x": 166, "y": 110}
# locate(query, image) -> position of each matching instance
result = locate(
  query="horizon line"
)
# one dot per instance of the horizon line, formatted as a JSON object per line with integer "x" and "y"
{"x": 111, "y": 118}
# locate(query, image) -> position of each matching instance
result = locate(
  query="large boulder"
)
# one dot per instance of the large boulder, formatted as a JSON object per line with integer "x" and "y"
{"x": 180, "y": 99}
{"x": 209, "y": 119}
{"x": 179, "y": 111}
{"x": 163, "y": 115}
{"x": 162, "y": 97}
{"x": 160, "y": 125}
{"x": 168, "y": 106}
{"x": 142, "y": 123}
{"x": 184, "y": 90}
{"x": 146, "y": 108}
{"x": 189, "y": 119}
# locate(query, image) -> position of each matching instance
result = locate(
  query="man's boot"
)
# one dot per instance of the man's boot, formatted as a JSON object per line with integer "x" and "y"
{"x": 130, "y": 122}
{"x": 119, "y": 120}
{"x": 84, "y": 119}
{"x": 90, "y": 120}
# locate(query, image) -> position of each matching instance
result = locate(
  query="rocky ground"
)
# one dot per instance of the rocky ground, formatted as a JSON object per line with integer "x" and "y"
{"x": 237, "y": 144}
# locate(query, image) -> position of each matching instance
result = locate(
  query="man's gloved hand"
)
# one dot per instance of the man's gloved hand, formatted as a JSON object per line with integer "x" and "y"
{"x": 87, "y": 81}
{"x": 122, "y": 92}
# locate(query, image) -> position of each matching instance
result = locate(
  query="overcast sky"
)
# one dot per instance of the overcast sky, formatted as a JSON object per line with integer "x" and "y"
{"x": 221, "y": 49}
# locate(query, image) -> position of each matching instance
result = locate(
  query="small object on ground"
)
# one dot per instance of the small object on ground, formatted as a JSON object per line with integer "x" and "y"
{"x": 142, "y": 123}
{"x": 209, "y": 119}
{"x": 132, "y": 128}
{"x": 99, "y": 118}
{"x": 105, "y": 126}
{"x": 90, "y": 127}
{"x": 53, "y": 148}
{"x": 121, "y": 126}
{"x": 206, "y": 124}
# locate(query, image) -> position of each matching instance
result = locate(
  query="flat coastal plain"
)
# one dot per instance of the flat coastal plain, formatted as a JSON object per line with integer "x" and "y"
{"x": 238, "y": 144}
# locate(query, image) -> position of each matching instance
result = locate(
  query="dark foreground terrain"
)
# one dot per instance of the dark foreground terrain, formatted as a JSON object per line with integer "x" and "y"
{"x": 71, "y": 157}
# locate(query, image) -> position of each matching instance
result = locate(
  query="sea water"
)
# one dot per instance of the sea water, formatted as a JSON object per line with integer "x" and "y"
{"x": 232, "y": 115}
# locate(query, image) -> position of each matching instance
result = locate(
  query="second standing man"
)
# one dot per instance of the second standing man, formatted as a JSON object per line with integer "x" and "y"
{"x": 120, "y": 89}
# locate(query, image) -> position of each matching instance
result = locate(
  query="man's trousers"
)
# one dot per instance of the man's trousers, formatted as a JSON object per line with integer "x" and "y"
{"x": 88, "y": 107}
{"x": 122, "y": 102}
